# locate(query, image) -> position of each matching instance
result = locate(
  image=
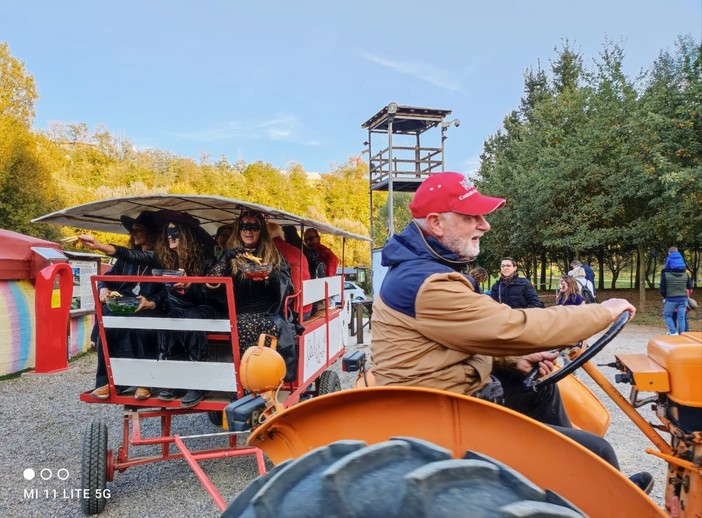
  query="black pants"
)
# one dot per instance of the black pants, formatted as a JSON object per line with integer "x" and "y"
{"x": 185, "y": 345}
{"x": 546, "y": 406}
{"x": 124, "y": 343}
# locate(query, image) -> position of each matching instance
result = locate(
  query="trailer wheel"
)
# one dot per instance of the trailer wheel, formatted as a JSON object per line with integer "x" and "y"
{"x": 215, "y": 417}
{"x": 93, "y": 475}
{"x": 328, "y": 382}
{"x": 398, "y": 478}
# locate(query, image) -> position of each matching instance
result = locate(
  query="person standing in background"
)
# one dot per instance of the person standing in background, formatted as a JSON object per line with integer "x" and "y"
{"x": 589, "y": 274}
{"x": 569, "y": 295}
{"x": 674, "y": 287}
{"x": 585, "y": 287}
{"x": 479, "y": 275}
{"x": 568, "y": 292}
{"x": 511, "y": 289}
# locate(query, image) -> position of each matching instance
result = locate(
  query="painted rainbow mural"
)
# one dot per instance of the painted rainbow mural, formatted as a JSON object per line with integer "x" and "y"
{"x": 18, "y": 328}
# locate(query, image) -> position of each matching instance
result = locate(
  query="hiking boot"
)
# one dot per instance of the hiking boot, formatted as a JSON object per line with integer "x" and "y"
{"x": 167, "y": 395}
{"x": 192, "y": 398}
{"x": 643, "y": 480}
{"x": 101, "y": 392}
{"x": 142, "y": 393}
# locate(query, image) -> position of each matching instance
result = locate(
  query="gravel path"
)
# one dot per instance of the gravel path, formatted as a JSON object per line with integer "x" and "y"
{"x": 42, "y": 423}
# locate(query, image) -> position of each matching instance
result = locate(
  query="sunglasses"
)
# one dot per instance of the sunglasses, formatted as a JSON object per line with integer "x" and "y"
{"x": 252, "y": 227}
{"x": 173, "y": 233}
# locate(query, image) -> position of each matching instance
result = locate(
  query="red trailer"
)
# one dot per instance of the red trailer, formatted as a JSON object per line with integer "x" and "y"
{"x": 319, "y": 347}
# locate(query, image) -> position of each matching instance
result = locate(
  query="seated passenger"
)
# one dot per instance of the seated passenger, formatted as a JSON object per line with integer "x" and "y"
{"x": 326, "y": 256}
{"x": 259, "y": 301}
{"x": 299, "y": 268}
{"x": 125, "y": 343}
{"x": 184, "y": 246}
{"x": 221, "y": 237}
{"x": 292, "y": 237}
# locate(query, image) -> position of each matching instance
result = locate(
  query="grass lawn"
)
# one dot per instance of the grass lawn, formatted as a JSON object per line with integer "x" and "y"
{"x": 652, "y": 312}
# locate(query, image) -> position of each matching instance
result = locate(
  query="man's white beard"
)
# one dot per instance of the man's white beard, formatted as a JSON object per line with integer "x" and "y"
{"x": 465, "y": 248}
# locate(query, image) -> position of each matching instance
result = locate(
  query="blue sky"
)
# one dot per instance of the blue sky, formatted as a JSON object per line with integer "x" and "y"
{"x": 292, "y": 81}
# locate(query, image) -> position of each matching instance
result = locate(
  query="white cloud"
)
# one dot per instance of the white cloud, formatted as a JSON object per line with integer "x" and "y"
{"x": 286, "y": 127}
{"x": 278, "y": 134}
{"x": 471, "y": 166}
{"x": 424, "y": 71}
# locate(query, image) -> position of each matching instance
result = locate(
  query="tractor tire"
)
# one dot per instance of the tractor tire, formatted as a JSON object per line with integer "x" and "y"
{"x": 328, "y": 382}
{"x": 397, "y": 478}
{"x": 93, "y": 473}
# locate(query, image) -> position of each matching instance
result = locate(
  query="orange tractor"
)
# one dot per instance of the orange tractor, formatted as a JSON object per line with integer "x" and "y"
{"x": 402, "y": 451}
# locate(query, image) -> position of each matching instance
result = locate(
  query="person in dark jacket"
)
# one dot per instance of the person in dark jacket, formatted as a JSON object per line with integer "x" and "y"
{"x": 260, "y": 301}
{"x": 126, "y": 343}
{"x": 511, "y": 289}
{"x": 673, "y": 287}
{"x": 185, "y": 246}
{"x": 325, "y": 254}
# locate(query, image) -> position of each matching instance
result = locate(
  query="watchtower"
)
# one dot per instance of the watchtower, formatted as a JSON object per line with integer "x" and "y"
{"x": 402, "y": 162}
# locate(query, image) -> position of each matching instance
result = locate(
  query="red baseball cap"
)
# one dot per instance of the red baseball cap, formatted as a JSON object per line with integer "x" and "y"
{"x": 451, "y": 192}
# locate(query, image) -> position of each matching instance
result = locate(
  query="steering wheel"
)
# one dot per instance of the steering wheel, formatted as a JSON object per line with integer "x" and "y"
{"x": 531, "y": 383}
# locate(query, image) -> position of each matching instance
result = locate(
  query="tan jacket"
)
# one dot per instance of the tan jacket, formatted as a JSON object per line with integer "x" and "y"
{"x": 450, "y": 343}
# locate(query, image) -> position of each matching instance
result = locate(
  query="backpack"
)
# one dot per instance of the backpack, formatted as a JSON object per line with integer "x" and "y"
{"x": 586, "y": 293}
{"x": 316, "y": 267}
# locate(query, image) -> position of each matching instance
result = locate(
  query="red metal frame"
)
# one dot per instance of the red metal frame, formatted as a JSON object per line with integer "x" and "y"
{"x": 136, "y": 410}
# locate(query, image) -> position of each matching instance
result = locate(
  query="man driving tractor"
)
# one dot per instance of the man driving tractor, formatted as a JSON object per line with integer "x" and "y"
{"x": 431, "y": 329}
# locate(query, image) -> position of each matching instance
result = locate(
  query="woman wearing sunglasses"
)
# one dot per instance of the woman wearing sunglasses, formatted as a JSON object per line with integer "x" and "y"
{"x": 186, "y": 247}
{"x": 259, "y": 296}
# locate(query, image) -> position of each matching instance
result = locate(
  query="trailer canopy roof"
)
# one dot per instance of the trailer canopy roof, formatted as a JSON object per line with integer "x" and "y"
{"x": 212, "y": 211}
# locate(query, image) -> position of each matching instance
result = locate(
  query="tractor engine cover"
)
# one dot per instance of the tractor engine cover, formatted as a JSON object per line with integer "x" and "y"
{"x": 681, "y": 356}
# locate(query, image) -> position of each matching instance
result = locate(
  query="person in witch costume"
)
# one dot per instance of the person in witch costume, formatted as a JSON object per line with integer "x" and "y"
{"x": 126, "y": 343}
{"x": 260, "y": 299}
{"x": 184, "y": 246}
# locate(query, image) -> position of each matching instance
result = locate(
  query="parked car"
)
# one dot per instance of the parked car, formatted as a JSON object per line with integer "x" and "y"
{"x": 352, "y": 291}
{"x": 355, "y": 290}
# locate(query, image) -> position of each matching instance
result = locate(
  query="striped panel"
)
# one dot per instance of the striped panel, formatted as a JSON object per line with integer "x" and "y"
{"x": 17, "y": 326}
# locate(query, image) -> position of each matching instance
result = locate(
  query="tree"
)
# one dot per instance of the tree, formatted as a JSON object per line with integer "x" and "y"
{"x": 671, "y": 129}
{"x": 17, "y": 91}
{"x": 26, "y": 186}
